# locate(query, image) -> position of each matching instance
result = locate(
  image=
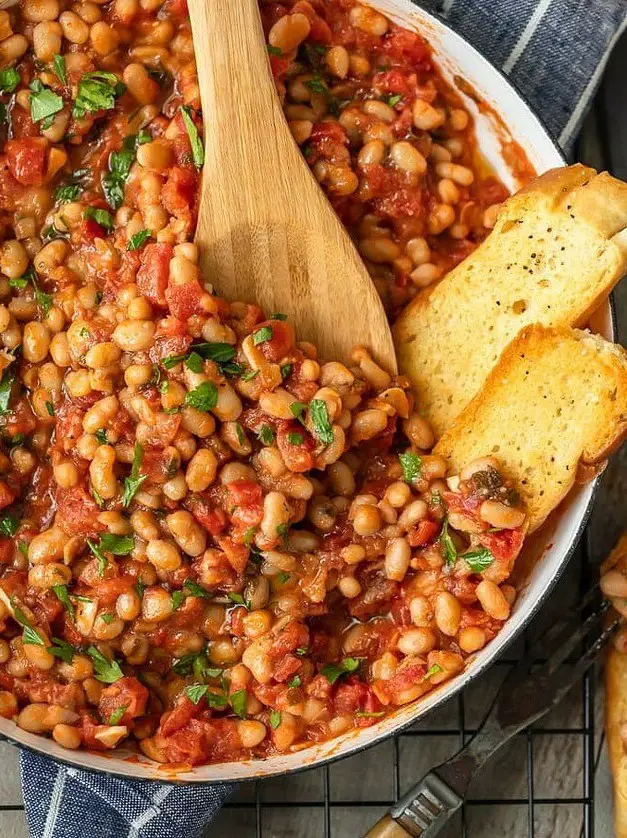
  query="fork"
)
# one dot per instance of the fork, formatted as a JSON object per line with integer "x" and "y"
{"x": 528, "y": 692}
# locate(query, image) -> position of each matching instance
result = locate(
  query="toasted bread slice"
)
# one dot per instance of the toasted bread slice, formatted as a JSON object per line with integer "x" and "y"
{"x": 556, "y": 399}
{"x": 558, "y": 248}
{"x": 616, "y": 705}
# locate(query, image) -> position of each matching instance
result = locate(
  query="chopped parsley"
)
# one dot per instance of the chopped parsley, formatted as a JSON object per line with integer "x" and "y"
{"x": 282, "y": 577}
{"x": 320, "y": 419}
{"x": 117, "y": 714}
{"x": 62, "y": 649}
{"x": 412, "y": 466}
{"x": 9, "y": 79}
{"x": 239, "y": 700}
{"x": 44, "y": 103}
{"x": 275, "y": 719}
{"x": 6, "y": 385}
{"x": 9, "y": 525}
{"x": 274, "y": 50}
{"x": 195, "y": 589}
{"x": 50, "y": 408}
{"x": 239, "y": 431}
{"x": 449, "y": 550}
{"x": 106, "y": 618}
{"x": 317, "y": 85}
{"x": 239, "y": 600}
{"x": 262, "y": 335}
{"x": 120, "y": 163}
{"x": 119, "y": 545}
{"x": 58, "y": 63}
{"x": 297, "y": 409}
{"x": 394, "y": 99}
{"x": 204, "y": 397}
{"x": 101, "y": 436}
{"x": 103, "y": 561}
{"x": 101, "y": 216}
{"x": 198, "y": 152}
{"x": 61, "y": 593}
{"x": 70, "y": 191}
{"x": 295, "y": 682}
{"x": 433, "y": 670}
{"x": 478, "y": 560}
{"x": 133, "y": 483}
{"x": 104, "y": 670}
{"x": 195, "y": 692}
{"x": 97, "y": 91}
{"x": 332, "y": 671}
{"x": 138, "y": 240}
{"x": 266, "y": 435}
{"x": 286, "y": 370}
{"x": 295, "y": 438}
{"x": 194, "y": 362}
{"x": 178, "y": 598}
{"x": 30, "y": 635}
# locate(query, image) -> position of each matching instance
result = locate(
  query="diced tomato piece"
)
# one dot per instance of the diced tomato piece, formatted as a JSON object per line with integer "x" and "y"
{"x": 377, "y": 592}
{"x": 354, "y": 696}
{"x": 279, "y": 66}
{"x": 171, "y": 338}
{"x": 163, "y": 431}
{"x": 298, "y": 456}
{"x": 395, "y": 81}
{"x": 295, "y": 635}
{"x": 127, "y": 693}
{"x": 91, "y": 230}
{"x": 404, "y": 45}
{"x": 179, "y": 191}
{"x": 504, "y": 545}
{"x": 152, "y": 277}
{"x": 244, "y": 493}
{"x": 77, "y": 511}
{"x": 27, "y": 159}
{"x": 183, "y": 711}
{"x": 236, "y": 554}
{"x": 191, "y": 743}
{"x": 422, "y": 533}
{"x": 286, "y": 667}
{"x": 212, "y": 518}
{"x": 184, "y": 300}
{"x": 7, "y": 495}
{"x": 108, "y": 590}
{"x": 281, "y": 339}
{"x": 6, "y": 551}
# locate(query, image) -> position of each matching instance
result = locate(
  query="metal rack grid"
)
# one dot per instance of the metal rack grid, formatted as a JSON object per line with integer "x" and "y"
{"x": 262, "y": 806}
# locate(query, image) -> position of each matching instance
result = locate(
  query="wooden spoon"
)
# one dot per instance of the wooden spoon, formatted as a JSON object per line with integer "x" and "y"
{"x": 266, "y": 232}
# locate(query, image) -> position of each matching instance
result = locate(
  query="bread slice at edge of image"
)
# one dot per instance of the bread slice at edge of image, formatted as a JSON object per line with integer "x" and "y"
{"x": 529, "y": 415}
{"x": 558, "y": 248}
{"x": 616, "y": 706}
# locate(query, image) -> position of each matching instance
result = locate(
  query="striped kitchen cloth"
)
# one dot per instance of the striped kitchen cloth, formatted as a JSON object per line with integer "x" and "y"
{"x": 554, "y": 51}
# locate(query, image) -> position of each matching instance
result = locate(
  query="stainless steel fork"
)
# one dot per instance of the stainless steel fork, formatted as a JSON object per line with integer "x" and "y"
{"x": 528, "y": 692}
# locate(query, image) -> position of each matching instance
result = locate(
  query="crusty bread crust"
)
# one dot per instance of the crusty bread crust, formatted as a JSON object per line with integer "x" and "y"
{"x": 558, "y": 248}
{"x": 557, "y": 398}
{"x": 616, "y": 706}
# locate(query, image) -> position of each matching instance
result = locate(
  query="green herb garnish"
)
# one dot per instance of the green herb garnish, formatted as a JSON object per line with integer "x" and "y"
{"x": 198, "y": 153}
{"x": 133, "y": 483}
{"x": 412, "y": 466}
{"x": 332, "y": 671}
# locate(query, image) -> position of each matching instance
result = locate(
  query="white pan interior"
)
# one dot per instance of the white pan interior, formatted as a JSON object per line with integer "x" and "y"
{"x": 514, "y": 120}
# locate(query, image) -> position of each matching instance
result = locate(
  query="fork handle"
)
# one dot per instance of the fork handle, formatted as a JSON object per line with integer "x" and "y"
{"x": 387, "y": 827}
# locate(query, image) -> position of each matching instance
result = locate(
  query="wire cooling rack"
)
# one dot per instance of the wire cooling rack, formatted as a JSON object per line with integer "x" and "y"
{"x": 542, "y": 785}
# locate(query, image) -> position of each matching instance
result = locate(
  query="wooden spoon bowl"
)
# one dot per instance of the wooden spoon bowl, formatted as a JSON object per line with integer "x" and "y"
{"x": 266, "y": 231}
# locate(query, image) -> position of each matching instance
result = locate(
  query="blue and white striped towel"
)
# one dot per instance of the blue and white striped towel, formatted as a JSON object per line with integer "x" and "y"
{"x": 554, "y": 51}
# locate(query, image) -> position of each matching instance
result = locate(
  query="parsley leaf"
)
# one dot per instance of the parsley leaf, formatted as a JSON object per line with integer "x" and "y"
{"x": 448, "y": 545}
{"x": 412, "y": 466}
{"x": 9, "y": 525}
{"x": 119, "y": 545}
{"x": 433, "y": 670}
{"x": 295, "y": 682}
{"x": 138, "y": 240}
{"x": 239, "y": 700}
{"x": 6, "y": 386}
{"x": 286, "y": 370}
{"x": 394, "y": 100}
{"x": 9, "y": 79}
{"x": 44, "y": 103}
{"x": 178, "y": 598}
{"x": 262, "y": 335}
{"x": 198, "y": 152}
{"x": 172, "y": 361}
{"x": 50, "y": 409}
{"x": 221, "y": 353}
{"x": 117, "y": 714}
{"x": 217, "y": 700}
{"x": 320, "y": 420}
{"x": 332, "y": 671}
{"x": 132, "y": 483}
{"x": 196, "y": 590}
{"x": 194, "y": 362}
{"x": 239, "y": 600}
{"x": 101, "y": 436}
{"x": 120, "y": 163}
{"x": 68, "y": 192}
{"x": 265, "y": 434}
{"x": 97, "y": 91}
{"x": 317, "y": 85}
{"x": 104, "y": 670}
{"x": 295, "y": 438}
{"x": 30, "y": 636}
{"x": 195, "y": 692}
{"x": 274, "y": 50}
{"x": 275, "y": 719}
{"x": 103, "y": 561}
{"x": 101, "y": 216}
{"x": 204, "y": 397}
{"x": 62, "y": 649}
{"x": 58, "y": 62}
{"x": 61, "y": 593}
{"x": 478, "y": 560}
{"x": 297, "y": 409}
